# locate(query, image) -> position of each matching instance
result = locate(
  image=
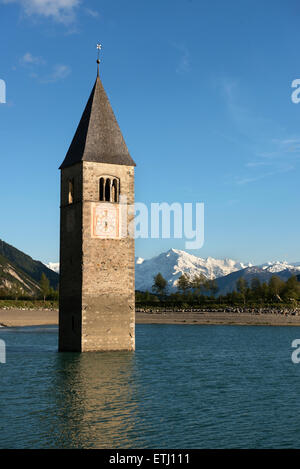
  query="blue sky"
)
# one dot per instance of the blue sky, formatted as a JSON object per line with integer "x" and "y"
{"x": 202, "y": 92}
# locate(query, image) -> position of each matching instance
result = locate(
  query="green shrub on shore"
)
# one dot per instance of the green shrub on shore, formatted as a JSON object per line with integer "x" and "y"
{"x": 28, "y": 304}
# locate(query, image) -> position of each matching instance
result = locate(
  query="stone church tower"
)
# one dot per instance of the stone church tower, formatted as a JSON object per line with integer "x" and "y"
{"x": 96, "y": 298}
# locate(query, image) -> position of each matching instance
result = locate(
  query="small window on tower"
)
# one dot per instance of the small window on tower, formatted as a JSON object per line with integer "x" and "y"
{"x": 107, "y": 190}
{"x": 101, "y": 189}
{"x": 71, "y": 191}
{"x": 115, "y": 191}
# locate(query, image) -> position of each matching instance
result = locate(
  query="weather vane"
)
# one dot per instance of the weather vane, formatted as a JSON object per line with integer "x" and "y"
{"x": 99, "y": 47}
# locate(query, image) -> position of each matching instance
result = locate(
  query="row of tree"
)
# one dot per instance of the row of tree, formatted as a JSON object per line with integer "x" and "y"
{"x": 199, "y": 284}
{"x": 276, "y": 290}
{"x": 199, "y": 290}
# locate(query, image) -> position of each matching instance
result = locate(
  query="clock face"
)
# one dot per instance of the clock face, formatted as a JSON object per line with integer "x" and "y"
{"x": 105, "y": 221}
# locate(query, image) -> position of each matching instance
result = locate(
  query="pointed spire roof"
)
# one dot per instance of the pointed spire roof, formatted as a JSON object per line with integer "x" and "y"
{"x": 98, "y": 137}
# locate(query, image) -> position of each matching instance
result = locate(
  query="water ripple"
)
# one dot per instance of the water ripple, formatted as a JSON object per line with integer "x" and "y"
{"x": 184, "y": 387}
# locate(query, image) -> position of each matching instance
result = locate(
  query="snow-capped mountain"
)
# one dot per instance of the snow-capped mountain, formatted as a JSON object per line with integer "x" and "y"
{"x": 275, "y": 267}
{"x": 173, "y": 263}
{"x": 53, "y": 266}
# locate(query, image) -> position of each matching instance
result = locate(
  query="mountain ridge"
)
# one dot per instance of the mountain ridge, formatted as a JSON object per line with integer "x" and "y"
{"x": 28, "y": 269}
{"x": 174, "y": 262}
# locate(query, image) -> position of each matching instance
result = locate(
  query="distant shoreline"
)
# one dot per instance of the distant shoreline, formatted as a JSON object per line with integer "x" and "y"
{"x": 40, "y": 317}
{"x": 217, "y": 318}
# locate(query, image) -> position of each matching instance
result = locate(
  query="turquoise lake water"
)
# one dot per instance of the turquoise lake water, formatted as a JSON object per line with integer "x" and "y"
{"x": 184, "y": 387}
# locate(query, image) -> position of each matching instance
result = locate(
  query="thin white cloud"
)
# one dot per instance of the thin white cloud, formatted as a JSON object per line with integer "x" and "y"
{"x": 92, "y": 13}
{"x": 62, "y": 11}
{"x": 247, "y": 180}
{"x": 287, "y": 148}
{"x": 269, "y": 155}
{"x": 288, "y": 145}
{"x": 29, "y": 59}
{"x": 243, "y": 181}
{"x": 254, "y": 164}
{"x": 247, "y": 121}
{"x": 33, "y": 65}
{"x": 287, "y": 141}
{"x": 58, "y": 73}
{"x": 184, "y": 63}
{"x": 276, "y": 154}
{"x": 229, "y": 87}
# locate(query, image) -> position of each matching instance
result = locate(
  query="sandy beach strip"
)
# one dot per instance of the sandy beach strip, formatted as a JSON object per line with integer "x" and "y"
{"x": 38, "y": 317}
{"x": 28, "y": 317}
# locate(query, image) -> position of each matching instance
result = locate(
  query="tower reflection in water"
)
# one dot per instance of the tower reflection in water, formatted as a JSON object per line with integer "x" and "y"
{"x": 95, "y": 401}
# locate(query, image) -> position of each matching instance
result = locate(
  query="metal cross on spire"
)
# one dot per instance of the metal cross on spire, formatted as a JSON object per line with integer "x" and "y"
{"x": 99, "y": 47}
